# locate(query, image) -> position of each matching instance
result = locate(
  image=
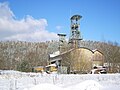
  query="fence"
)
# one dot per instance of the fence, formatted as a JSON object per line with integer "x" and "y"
{"x": 29, "y": 80}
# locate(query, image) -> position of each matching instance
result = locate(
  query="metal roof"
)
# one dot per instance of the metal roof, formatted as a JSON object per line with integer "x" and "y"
{"x": 76, "y": 17}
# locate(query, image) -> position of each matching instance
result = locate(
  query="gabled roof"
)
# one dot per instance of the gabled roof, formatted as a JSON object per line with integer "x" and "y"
{"x": 87, "y": 49}
{"x": 97, "y": 50}
{"x": 57, "y": 54}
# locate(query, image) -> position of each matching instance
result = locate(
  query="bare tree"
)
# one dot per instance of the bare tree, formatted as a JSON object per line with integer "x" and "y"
{"x": 112, "y": 55}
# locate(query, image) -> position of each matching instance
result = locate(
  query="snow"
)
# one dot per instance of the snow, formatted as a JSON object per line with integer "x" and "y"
{"x": 45, "y": 87}
{"x": 86, "y": 85}
{"x": 55, "y": 54}
{"x": 14, "y": 80}
{"x": 54, "y": 65}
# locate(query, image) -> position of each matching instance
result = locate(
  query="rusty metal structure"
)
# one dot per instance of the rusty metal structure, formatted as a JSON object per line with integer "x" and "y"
{"x": 75, "y": 35}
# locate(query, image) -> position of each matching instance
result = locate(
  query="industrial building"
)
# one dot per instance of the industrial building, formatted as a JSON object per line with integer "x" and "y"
{"x": 71, "y": 57}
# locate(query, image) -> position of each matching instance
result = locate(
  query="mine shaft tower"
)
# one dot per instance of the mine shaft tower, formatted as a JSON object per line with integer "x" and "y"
{"x": 62, "y": 42}
{"x": 75, "y": 36}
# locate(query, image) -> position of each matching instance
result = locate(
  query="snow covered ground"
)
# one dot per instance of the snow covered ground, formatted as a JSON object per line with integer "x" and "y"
{"x": 14, "y": 80}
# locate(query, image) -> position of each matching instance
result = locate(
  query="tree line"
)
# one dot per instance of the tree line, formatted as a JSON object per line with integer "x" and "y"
{"x": 111, "y": 52}
{"x": 23, "y": 56}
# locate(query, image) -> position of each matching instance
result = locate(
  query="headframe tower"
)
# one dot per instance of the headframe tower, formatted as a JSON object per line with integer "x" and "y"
{"x": 75, "y": 35}
{"x": 62, "y": 42}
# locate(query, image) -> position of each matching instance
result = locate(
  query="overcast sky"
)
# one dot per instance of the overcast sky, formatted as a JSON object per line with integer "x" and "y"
{"x": 41, "y": 20}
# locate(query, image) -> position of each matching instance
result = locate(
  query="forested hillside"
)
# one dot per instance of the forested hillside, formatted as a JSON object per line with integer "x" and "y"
{"x": 22, "y": 56}
{"x": 25, "y": 55}
{"x": 111, "y": 51}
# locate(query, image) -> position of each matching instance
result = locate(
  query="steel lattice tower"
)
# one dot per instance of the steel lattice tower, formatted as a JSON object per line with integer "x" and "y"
{"x": 75, "y": 36}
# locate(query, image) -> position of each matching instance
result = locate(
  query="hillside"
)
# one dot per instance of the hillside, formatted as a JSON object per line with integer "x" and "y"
{"x": 22, "y": 56}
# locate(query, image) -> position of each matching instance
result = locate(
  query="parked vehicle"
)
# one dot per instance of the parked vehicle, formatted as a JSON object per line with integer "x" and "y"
{"x": 99, "y": 70}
